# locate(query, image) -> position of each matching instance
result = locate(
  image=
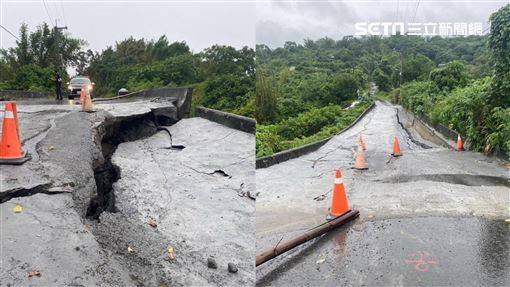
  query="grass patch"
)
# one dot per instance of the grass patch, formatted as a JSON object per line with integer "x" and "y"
{"x": 306, "y": 128}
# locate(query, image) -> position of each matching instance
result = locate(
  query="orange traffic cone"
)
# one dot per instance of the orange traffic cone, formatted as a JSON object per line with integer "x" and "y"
{"x": 339, "y": 204}
{"x": 10, "y": 146}
{"x": 87, "y": 103}
{"x": 83, "y": 95}
{"x": 362, "y": 142}
{"x": 459, "y": 143}
{"x": 360, "y": 163}
{"x": 396, "y": 147}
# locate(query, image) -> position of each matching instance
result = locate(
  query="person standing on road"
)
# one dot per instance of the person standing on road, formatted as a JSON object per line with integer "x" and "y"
{"x": 58, "y": 86}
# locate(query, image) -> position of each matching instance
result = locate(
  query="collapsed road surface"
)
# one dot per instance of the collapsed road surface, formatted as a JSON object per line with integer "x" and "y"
{"x": 431, "y": 217}
{"x": 104, "y": 201}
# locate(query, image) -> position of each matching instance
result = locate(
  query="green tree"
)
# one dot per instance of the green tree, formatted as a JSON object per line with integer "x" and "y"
{"x": 499, "y": 43}
{"x": 227, "y": 92}
{"x": 220, "y": 60}
{"x": 453, "y": 75}
{"x": 345, "y": 86}
{"x": 382, "y": 80}
{"x": 38, "y": 54}
{"x": 417, "y": 68}
{"x": 265, "y": 99}
{"x": 22, "y": 51}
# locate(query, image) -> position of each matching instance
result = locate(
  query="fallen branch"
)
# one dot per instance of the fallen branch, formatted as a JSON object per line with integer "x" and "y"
{"x": 281, "y": 248}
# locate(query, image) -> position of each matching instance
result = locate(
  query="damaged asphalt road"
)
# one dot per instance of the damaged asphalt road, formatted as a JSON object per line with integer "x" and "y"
{"x": 197, "y": 196}
{"x": 431, "y": 201}
{"x": 57, "y": 189}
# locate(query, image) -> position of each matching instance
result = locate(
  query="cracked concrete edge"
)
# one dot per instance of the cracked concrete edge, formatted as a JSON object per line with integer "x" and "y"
{"x": 182, "y": 102}
{"x": 234, "y": 121}
{"x": 45, "y": 187}
{"x": 406, "y": 121}
{"x": 285, "y": 155}
{"x": 79, "y": 187}
{"x": 81, "y": 153}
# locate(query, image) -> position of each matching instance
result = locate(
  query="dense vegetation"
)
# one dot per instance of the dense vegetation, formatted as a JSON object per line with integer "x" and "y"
{"x": 224, "y": 77}
{"x": 462, "y": 82}
{"x": 312, "y": 80}
{"x": 31, "y": 65}
{"x": 477, "y": 107}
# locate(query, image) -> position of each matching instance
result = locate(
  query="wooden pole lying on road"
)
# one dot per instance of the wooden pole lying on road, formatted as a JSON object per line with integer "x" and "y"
{"x": 307, "y": 236}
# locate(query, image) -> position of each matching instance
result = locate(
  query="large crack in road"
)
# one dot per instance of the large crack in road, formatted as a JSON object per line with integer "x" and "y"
{"x": 431, "y": 204}
{"x": 197, "y": 196}
{"x": 70, "y": 229}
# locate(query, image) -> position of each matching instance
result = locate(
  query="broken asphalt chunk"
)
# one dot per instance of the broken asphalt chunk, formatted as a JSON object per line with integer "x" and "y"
{"x": 232, "y": 268}
{"x": 152, "y": 223}
{"x": 211, "y": 263}
{"x": 34, "y": 273}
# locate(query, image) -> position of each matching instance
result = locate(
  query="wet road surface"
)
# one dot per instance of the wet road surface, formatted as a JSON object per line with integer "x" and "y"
{"x": 444, "y": 192}
{"x": 54, "y": 235}
{"x": 426, "y": 251}
{"x": 198, "y": 196}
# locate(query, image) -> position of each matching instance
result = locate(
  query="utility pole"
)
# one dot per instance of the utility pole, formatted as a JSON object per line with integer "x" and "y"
{"x": 57, "y": 36}
{"x": 401, "y": 68}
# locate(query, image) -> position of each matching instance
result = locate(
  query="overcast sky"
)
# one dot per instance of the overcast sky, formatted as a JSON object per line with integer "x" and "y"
{"x": 280, "y": 21}
{"x": 202, "y": 23}
{"x": 101, "y": 23}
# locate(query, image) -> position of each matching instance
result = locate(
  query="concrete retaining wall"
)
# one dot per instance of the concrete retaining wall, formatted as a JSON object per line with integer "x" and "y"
{"x": 450, "y": 136}
{"x": 227, "y": 119}
{"x": 446, "y": 132}
{"x": 282, "y": 156}
{"x": 12, "y": 95}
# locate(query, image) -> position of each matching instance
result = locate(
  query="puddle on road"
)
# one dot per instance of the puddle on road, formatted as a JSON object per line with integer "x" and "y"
{"x": 462, "y": 179}
{"x": 429, "y": 251}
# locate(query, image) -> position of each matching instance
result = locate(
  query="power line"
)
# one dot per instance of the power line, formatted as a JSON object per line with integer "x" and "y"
{"x": 57, "y": 14}
{"x": 47, "y": 12}
{"x": 10, "y": 33}
{"x": 405, "y": 13}
{"x": 398, "y": 3}
{"x": 486, "y": 29}
{"x": 63, "y": 12}
{"x": 416, "y": 10}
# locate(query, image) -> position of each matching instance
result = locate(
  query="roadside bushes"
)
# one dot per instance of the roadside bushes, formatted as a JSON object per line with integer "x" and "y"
{"x": 33, "y": 78}
{"x": 499, "y": 40}
{"x": 135, "y": 86}
{"x": 417, "y": 96}
{"x": 308, "y": 127}
{"x": 479, "y": 110}
{"x": 465, "y": 110}
{"x": 498, "y": 129}
{"x": 228, "y": 92}
{"x": 451, "y": 76}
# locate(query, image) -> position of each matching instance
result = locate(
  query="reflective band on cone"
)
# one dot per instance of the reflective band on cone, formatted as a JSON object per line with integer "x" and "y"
{"x": 339, "y": 203}
{"x": 10, "y": 145}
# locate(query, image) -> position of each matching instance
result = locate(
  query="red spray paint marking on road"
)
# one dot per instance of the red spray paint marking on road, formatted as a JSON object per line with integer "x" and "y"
{"x": 421, "y": 261}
